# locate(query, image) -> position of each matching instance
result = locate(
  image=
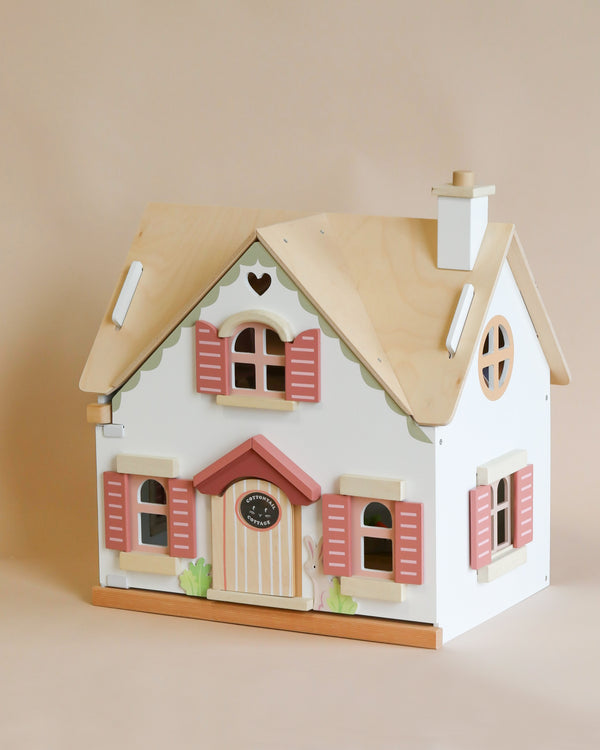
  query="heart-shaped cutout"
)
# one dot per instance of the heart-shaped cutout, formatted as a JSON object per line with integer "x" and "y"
{"x": 259, "y": 284}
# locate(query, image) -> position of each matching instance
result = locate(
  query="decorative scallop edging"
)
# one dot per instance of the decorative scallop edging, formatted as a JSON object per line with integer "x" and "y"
{"x": 256, "y": 253}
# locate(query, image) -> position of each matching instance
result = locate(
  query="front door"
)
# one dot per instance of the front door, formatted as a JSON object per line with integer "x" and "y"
{"x": 254, "y": 539}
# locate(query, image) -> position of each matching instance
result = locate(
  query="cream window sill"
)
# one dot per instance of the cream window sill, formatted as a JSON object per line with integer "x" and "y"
{"x": 139, "y": 562}
{"x": 504, "y": 563}
{"x": 372, "y": 588}
{"x": 257, "y": 402}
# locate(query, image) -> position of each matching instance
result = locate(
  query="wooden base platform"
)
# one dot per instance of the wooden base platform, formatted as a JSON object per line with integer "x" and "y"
{"x": 318, "y": 623}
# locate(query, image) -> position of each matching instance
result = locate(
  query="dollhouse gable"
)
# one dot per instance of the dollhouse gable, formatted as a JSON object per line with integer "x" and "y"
{"x": 373, "y": 280}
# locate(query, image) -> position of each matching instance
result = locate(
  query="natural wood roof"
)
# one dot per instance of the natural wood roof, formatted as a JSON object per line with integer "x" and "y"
{"x": 374, "y": 279}
{"x": 184, "y": 250}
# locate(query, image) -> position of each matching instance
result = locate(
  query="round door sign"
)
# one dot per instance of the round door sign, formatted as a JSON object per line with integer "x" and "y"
{"x": 259, "y": 511}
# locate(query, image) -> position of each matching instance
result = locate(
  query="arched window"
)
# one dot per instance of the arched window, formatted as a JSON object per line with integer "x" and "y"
{"x": 258, "y": 361}
{"x": 376, "y": 533}
{"x": 253, "y": 359}
{"x": 152, "y": 514}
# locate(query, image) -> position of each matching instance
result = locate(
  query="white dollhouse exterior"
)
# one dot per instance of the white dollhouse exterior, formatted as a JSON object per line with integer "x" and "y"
{"x": 343, "y": 414}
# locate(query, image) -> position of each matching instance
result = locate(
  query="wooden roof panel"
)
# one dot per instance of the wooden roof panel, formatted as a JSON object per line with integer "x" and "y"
{"x": 374, "y": 279}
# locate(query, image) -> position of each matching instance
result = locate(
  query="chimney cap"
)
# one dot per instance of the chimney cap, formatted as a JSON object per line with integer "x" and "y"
{"x": 463, "y": 178}
{"x": 463, "y": 186}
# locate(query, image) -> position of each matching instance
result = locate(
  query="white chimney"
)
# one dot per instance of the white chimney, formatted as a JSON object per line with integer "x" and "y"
{"x": 462, "y": 220}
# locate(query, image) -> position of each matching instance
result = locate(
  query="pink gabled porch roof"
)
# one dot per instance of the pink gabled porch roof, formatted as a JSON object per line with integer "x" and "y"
{"x": 260, "y": 459}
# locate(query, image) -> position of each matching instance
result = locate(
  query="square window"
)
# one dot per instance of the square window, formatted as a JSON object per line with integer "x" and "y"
{"x": 378, "y": 553}
{"x": 153, "y": 529}
{"x": 275, "y": 378}
{"x": 245, "y": 375}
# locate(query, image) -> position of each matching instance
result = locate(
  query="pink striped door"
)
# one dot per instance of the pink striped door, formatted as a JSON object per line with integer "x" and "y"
{"x": 257, "y": 539}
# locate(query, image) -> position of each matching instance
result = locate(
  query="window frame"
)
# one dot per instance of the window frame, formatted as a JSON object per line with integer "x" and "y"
{"x": 490, "y": 361}
{"x": 300, "y": 361}
{"x": 505, "y": 507}
{"x": 137, "y": 507}
{"x": 260, "y": 359}
{"x": 359, "y": 531}
{"x": 489, "y": 558}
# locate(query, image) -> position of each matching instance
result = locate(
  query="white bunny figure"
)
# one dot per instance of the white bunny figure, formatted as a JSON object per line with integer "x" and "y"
{"x": 314, "y": 568}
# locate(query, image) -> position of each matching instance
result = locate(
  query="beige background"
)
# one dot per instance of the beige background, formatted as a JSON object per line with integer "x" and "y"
{"x": 329, "y": 105}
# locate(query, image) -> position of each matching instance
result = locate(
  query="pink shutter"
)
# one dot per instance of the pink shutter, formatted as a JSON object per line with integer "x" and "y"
{"x": 408, "y": 542}
{"x": 337, "y": 559}
{"x": 116, "y": 511}
{"x": 303, "y": 367}
{"x": 523, "y": 506}
{"x": 182, "y": 518}
{"x": 212, "y": 360}
{"x": 480, "y": 501}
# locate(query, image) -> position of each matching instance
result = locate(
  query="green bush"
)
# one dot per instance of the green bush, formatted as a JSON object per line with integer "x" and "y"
{"x": 338, "y": 602}
{"x": 197, "y": 579}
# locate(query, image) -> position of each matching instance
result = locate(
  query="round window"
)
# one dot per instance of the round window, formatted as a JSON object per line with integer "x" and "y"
{"x": 496, "y": 354}
{"x": 258, "y": 510}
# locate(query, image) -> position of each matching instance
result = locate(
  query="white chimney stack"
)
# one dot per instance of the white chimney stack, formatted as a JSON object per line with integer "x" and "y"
{"x": 462, "y": 220}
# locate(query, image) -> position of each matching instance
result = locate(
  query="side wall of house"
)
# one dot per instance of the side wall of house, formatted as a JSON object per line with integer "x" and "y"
{"x": 481, "y": 431}
{"x": 354, "y": 429}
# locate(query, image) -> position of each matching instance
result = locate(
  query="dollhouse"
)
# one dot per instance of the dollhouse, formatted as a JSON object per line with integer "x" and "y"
{"x": 325, "y": 423}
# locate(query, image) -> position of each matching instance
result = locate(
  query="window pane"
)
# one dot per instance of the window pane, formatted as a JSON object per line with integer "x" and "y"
{"x": 502, "y": 337}
{"x": 152, "y": 491}
{"x": 376, "y": 514}
{"x": 501, "y": 492}
{"x": 153, "y": 529}
{"x": 377, "y": 554}
{"x": 275, "y": 378}
{"x": 488, "y": 343}
{"x": 245, "y": 341}
{"x": 488, "y": 374}
{"x": 244, "y": 375}
{"x": 501, "y": 533}
{"x": 273, "y": 344}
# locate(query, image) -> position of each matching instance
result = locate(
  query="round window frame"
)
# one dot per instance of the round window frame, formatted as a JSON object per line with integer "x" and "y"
{"x": 492, "y": 358}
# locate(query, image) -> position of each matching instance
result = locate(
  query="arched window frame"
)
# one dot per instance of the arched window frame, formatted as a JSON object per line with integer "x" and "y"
{"x": 301, "y": 359}
{"x": 262, "y": 361}
{"x": 141, "y": 508}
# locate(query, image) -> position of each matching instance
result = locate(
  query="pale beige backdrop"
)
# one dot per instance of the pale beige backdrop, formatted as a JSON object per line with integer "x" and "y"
{"x": 329, "y": 105}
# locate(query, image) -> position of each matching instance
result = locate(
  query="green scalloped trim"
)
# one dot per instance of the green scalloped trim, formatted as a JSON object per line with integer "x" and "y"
{"x": 413, "y": 428}
{"x": 256, "y": 253}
